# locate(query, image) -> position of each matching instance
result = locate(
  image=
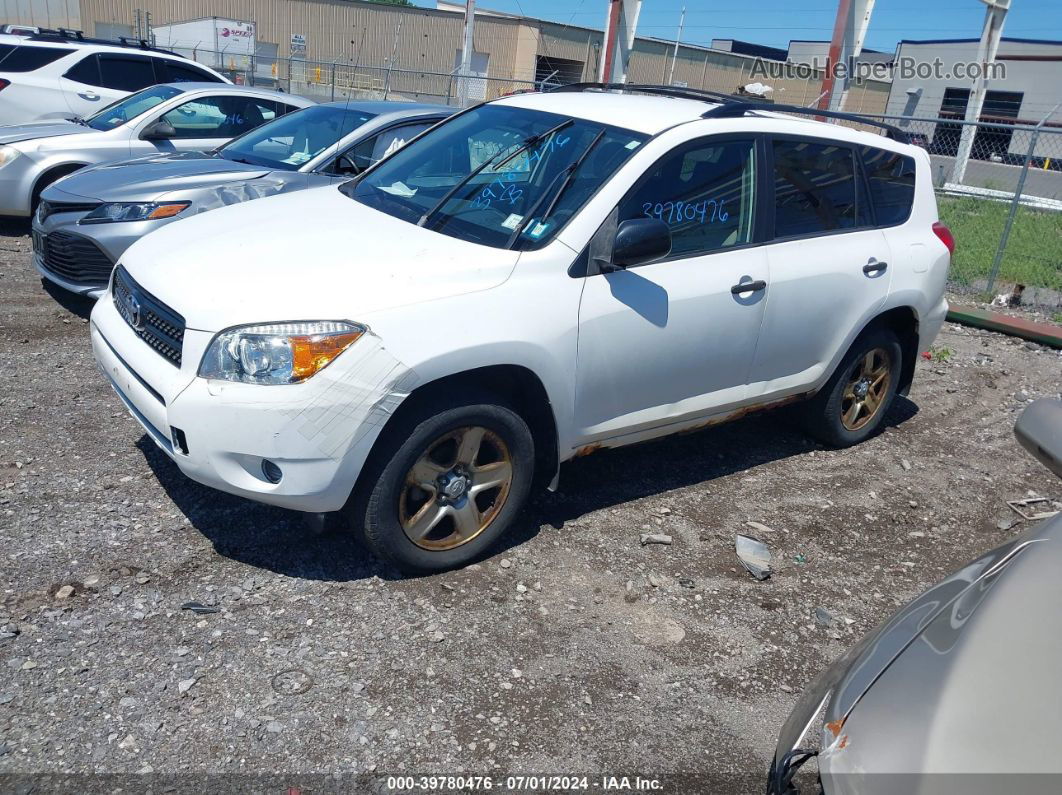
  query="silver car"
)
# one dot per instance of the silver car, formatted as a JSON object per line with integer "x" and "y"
{"x": 174, "y": 117}
{"x": 87, "y": 220}
{"x": 959, "y": 691}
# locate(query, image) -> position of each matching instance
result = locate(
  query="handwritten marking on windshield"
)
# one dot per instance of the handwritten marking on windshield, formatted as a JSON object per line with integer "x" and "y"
{"x": 677, "y": 211}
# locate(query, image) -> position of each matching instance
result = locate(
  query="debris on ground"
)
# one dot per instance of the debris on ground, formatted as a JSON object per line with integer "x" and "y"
{"x": 655, "y": 538}
{"x": 754, "y": 556}
{"x": 1019, "y": 506}
{"x": 199, "y": 608}
{"x": 823, "y": 617}
{"x": 759, "y": 526}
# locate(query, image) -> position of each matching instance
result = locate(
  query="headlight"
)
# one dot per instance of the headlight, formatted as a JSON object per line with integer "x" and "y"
{"x": 277, "y": 353}
{"x": 7, "y": 154}
{"x": 134, "y": 211}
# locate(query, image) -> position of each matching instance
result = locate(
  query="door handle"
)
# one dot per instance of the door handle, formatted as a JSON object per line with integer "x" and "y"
{"x": 748, "y": 287}
{"x": 88, "y": 95}
{"x": 875, "y": 267}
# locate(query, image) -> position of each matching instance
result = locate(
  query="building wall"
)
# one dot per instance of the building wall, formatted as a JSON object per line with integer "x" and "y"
{"x": 43, "y": 13}
{"x": 1039, "y": 81}
{"x": 351, "y": 32}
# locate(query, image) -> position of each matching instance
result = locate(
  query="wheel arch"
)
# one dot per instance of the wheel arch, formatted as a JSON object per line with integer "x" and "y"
{"x": 903, "y": 322}
{"x": 47, "y": 177}
{"x": 517, "y": 385}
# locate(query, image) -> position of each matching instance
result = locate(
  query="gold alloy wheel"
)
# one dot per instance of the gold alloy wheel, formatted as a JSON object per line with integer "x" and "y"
{"x": 865, "y": 392}
{"x": 455, "y": 489}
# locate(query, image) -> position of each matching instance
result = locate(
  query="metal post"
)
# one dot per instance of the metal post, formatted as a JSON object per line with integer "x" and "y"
{"x": 334, "y": 80}
{"x": 391, "y": 63}
{"x": 995, "y": 15}
{"x": 998, "y": 261}
{"x": 678, "y": 38}
{"x": 467, "y": 48}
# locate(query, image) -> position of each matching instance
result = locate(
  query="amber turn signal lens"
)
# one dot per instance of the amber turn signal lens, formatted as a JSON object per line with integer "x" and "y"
{"x": 167, "y": 210}
{"x": 312, "y": 354}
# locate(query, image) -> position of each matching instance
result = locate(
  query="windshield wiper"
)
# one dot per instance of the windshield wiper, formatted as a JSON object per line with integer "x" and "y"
{"x": 526, "y": 144}
{"x": 78, "y": 120}
{"x": 568, "y": 172}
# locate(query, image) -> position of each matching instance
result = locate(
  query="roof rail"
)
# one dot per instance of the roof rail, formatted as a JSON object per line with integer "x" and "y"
{"x": 740, "y": 108}
{"x": 60, "y": 35}
{"x": 702, "y": 95}
{"x": 729, "y": 105}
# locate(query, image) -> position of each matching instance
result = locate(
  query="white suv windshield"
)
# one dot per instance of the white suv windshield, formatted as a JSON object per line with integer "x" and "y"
{"x": 497, "y": 175}
{"x": 128, "y": 108}
{"x": 290, "y": 141}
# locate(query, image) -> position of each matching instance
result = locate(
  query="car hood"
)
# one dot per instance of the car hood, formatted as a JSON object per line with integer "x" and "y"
{"x": 147, "y": 178}
{"x": 45, "y": 129}
{"x": 310, "y": 255}
{"x": 975, "y": 691}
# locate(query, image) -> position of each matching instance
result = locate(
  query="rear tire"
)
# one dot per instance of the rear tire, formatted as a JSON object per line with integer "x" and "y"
{"x": 444, "y": 483}
{"x": 854, "y": 402}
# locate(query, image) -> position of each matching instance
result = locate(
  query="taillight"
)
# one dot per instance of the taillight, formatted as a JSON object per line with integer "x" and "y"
{"x": 945, "y": 235}
{"x": 4, "y": 83}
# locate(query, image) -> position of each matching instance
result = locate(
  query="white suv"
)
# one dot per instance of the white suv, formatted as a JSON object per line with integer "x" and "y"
{"x": 58, "y": 75}
{"x": 531, "y": 280}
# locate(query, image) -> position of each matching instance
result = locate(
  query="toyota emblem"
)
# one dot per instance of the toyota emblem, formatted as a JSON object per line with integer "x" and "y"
{"x": 133, "y": 306}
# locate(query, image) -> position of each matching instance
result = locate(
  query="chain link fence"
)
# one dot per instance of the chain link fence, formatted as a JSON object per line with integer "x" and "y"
{"x": 1004, "y": 207}
{"x": 326, "y": 81}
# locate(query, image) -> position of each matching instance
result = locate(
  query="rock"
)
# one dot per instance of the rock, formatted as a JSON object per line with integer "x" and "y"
{"x": 127, "y": 702}
{"x": 823, "y": 617}
{"x": 1007, "y": 522}
{"x": 437, "y": 637}
{"x": 185, "y": 685}
{"x": 65, "y": 592}
{"x": 128, "y": 744}
{"x": 506, "y": 563}
{"x": 521, "y": 588}
{"x": 655, "y": 580}
{"x": 759, "y": 526}
{"x": 905, "y": 464}
{"x": 182, "y": 651}
{"x": 655, "y": 538}
{"x": 785, "y": 688}
{"x": 274, "y": 727}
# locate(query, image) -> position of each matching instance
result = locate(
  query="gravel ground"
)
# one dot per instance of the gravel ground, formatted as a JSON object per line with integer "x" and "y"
{"x": 574, "y": 649}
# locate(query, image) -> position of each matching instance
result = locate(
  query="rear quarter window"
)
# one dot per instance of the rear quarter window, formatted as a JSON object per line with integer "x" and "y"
{"x": 891, "y": 178}
{"x": 22, "y": 58}
{"x": 815, "y": 188}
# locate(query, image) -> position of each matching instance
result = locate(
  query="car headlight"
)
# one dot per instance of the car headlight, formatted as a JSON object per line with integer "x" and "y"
{"x": 277, "y": 353}
{"x": 7, "y": 154}
{"x": 134, "y": 211}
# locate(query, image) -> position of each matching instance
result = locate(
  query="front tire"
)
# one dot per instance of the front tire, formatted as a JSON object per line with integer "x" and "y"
{"x": 444, "y": 483}
{"x": 856, "y": 399}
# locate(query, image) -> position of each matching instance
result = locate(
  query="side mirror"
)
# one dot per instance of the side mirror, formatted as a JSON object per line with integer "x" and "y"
{"x": 640, "y": 241}
{"x": 1039, "y": 430}
{"x": 158, "y": 131}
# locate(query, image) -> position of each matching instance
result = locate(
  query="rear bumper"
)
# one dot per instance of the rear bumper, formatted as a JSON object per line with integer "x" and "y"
{"x": 218, "y": 433}
{"x": 929, "y": 324}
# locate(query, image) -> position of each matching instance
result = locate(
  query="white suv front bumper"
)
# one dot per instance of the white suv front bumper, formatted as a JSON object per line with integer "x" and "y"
{"x": 318, "y": 433}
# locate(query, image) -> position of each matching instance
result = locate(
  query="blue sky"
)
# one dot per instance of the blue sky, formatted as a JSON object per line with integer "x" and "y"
{"x": 775, "y": 22}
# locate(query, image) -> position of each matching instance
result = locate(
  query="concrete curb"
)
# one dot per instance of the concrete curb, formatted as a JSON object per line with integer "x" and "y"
{"x": 1043, "y": 333}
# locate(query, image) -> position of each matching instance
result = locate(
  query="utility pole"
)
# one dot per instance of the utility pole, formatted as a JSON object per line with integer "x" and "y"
{"x": 466, "y": 52}
{"x": 849, "y": 32}
{"x": 995, "y": 15}
{"x": 674, "y": 55}
{"x": 620, "y": 23}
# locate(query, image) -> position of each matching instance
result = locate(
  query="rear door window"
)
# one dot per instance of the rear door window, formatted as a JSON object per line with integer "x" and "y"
{"x": 126, "y": 72}
{"x": 891, "y": 178}
{"x": 20, "y": 58}
{"x": 815, "y": 188}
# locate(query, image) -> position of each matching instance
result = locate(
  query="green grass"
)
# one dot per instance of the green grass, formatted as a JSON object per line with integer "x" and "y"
{"x": 1034, "y": 249}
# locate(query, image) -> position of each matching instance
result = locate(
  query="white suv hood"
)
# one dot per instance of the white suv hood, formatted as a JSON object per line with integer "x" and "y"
{"x": 311, "y": 255}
